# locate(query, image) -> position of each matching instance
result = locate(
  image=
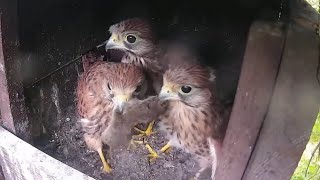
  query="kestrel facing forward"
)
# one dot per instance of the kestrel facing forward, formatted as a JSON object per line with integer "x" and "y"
{"x": 192, "y": 121}
{"x": 136, "y": 39}
{"x": 105, "y": 87}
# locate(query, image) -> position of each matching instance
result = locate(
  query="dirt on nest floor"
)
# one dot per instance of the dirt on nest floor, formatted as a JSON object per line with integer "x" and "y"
{"x": 68, "y": 146}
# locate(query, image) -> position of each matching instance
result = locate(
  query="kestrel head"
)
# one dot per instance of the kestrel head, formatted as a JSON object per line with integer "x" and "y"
{"x": 124, "y": 82}
{"x": 132, "y": 35}
{"x": 187, "y": 83}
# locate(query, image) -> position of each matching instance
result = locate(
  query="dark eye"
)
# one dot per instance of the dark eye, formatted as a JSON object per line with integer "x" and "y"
{"x": 131, "y": 39}
{"x": 186, "y": 89}
{"x": 109, "y": 87}
{"x": 138, "y": 89}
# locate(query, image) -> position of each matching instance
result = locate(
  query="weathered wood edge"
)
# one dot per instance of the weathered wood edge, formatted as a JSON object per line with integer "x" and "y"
{"x": 293, "y": 108}
{"x": 255, "y": 89}
{"x": 22, "y": 161}
{"x": 12, "y": 106}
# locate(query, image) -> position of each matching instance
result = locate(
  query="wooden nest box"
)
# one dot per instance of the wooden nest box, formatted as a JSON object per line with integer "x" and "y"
{"x": 275, "y": 106}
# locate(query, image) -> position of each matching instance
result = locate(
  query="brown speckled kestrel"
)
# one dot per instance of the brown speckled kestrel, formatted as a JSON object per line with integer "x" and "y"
{"x": 103, "y": 88}
{"x": 193, "y": 120}
{"x": 136, "y": 39}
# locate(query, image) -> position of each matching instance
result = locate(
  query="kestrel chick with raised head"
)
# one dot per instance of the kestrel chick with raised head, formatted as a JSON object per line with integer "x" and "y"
{"x": 105, "y": 87}
{"x": 136, "y": 39}
{"x": 192, "y": 121}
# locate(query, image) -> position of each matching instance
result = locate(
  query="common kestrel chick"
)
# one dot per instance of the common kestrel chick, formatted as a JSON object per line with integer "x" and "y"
{"x": 103, "y": 88}
{"x": 136, "y": 39}
{"x": 192, "y": 121}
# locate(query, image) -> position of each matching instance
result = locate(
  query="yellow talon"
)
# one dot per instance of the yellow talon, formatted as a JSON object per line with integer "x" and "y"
{"x": 147, "y": 132}
{"x": 106, "y": 167}
{"x": 153, "y": 154}
{"x": 166, "y": 148}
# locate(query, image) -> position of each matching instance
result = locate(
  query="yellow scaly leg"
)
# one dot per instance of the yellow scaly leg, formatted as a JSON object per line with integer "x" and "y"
{"x": 106, "y": 167}
{"x": 166, "y": 148}
{"x": 153, "y": 154}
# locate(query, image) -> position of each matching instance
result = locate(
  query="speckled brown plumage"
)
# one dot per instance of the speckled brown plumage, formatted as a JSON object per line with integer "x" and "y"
{"x": 89, "y": 58}
{"x": 105, "y": 87}
{"x": 144, "y": 51}
{"x": 193, "y": 121}
{"x": 138, "y": 25}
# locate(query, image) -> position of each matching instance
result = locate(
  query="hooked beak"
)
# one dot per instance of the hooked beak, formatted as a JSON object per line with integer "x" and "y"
{"x": 120, "y": 102}
{"x": 113, "y": 43}
{"x": 167, "y": 93}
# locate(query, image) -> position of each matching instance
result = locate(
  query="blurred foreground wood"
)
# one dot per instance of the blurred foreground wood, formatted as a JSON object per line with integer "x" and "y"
{"x": 20, "y": 160}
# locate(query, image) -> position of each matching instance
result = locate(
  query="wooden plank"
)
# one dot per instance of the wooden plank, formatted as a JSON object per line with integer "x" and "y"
{"x": 12, "y": 104}
{"x": 17, "y": 164}
{"x": 257, "y": 79}
{"x": 293, "y": 109}
{"x": 1, "y": 173}
{"x": 5, "y": 110}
